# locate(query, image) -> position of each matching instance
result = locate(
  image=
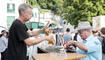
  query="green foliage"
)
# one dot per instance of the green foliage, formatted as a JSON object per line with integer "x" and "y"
{"x": 44, "y": 10}
{"x": 33, "y": 3}
{"x": 53, "y": 5}
{"x": 53, "y": 25}
{"x": 75, "y": 11}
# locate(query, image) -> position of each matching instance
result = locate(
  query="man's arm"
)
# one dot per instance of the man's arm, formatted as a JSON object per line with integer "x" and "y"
{"x": 34, "y": 41}
{"x": 80, "y": 45}
{"x": 34, "y": 33}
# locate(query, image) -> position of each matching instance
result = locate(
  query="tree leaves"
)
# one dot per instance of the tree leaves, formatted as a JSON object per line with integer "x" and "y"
{"x": 73, "y": 11}
{"x": 79, "y": 10}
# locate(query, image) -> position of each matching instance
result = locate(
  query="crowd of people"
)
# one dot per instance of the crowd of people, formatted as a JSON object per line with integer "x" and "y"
{"x": 85, "y": 41}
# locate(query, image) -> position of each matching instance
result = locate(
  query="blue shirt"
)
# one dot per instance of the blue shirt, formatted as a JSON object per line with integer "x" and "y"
{"x": 94, "y": 49}
{"x": 3, "y": 44}
{"x": 67, "y": 37}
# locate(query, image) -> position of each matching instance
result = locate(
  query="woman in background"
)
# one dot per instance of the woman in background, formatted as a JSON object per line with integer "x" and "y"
{"x": 3, "y": 44}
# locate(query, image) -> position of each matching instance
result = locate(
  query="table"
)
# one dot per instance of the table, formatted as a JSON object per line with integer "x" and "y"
{"x": 41, "y": 50}
{"x": 70, "y": 56}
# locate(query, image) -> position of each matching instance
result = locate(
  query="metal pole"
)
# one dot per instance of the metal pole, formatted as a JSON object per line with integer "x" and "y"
{"x": 39, "y": 17}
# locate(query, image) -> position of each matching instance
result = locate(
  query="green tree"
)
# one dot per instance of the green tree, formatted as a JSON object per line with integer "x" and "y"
{"x": 75, "y": 11}
{"x": 54, "y": 5}
{"x": 33, "y": 3}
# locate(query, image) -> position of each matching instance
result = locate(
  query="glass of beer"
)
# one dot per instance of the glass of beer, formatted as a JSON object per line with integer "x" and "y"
{"x": 48, "y": 32}
{"x": 51, "y": 42}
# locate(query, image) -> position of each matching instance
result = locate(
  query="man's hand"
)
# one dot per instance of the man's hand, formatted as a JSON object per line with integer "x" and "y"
{"x": 45, "y": 27}
{"x": 29, "y": 32}
{"x": 70, "y": 43}
{"x": 49, "y": 38}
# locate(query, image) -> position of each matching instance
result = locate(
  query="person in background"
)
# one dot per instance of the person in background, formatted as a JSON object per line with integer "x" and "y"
{"x": 67, "y": 35}
{"x": 3, "y": 44}
{"x": 103, "y": 42}
{"x": 19, "y": 36}
{"x": 90, "y": 46}
{"x": 96, "y": 33}
{"x": 77, "y": 37}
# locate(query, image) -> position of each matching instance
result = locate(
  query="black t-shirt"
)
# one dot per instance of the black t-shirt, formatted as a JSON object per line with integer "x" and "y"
{"x": 17, "y": 49}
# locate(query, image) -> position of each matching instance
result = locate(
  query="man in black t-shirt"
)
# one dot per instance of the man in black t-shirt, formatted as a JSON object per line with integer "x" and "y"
{"x": 19, "y": 35}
